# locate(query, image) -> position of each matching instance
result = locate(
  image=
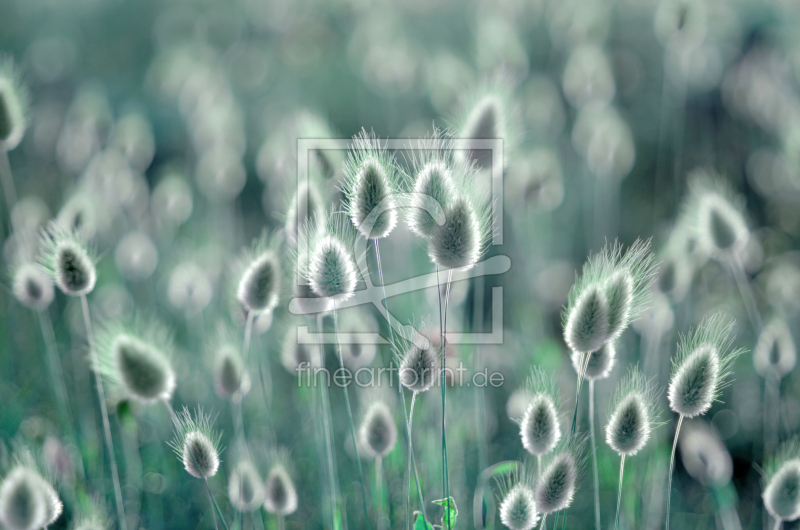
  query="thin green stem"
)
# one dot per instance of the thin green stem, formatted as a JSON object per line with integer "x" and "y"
{"x": 619, "y": 494}
{"x": 239, "y": 404}
{"x": 56, "y": 372}
{"x": 214, "y": 503}
{"x": 327, "y": 427}
{"x": 672, "y": 466}
{"x": 594, "y": 457}
{"x": 352, "y": 423}
{"x": 443, "y": 381}
{"x": 584, "y": 364}
{"x": 281, "y": 523}
{"x": 104, "y": 412}
{"x": 9, "y": 189}
{"x": 778, "y": 523}
{"x": 379, "y": 490}
{"x": 541, "y": 525}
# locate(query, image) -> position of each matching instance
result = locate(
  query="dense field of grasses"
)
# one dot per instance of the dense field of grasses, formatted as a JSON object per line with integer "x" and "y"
{"x": 399, "y": 265}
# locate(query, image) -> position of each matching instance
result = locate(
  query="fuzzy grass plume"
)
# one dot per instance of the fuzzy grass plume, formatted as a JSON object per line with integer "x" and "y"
{"x": 245, "y": 487}
{"x": 371, "y": 181}
{"x": 133, "y": 355}
{"x": 378, "y": 430}
{"x": 431, "y": 182}
{"x": 225, "y": 359}
{"x": 782, "y": 476}
{"x": 516, "y": 499}
{"x": 281, "y": 495}
{"x": 540, "y": 427}
{"x": 14, "y": 102}
{"x": 612, "y": 290}
{"x": 632, "y": 414}
{"x": 68, "y": 259}
{"x": 196, "y": 443}
{"x": 259, "y": 275}
{"x": 775, "y": 354}
{"x": 558, "y": 481}
{"x": 701, "y": 367}
{"x": 32, "y": 286}
{"x": 716, "y": 215}
{"x": 329, "y": 266}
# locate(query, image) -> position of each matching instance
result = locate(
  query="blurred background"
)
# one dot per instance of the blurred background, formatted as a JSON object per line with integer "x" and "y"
{"x": 167, "y": 131}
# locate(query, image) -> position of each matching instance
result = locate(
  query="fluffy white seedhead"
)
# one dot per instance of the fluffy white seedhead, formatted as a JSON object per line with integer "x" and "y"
{"x": 775, "y": 354}
{"x": 23, "y": 501}
{"x": 419, "y": 365}
{"x": 79, "y": 213}
{"x": 229, "y": 377}
{"x": 68, "y": 260}
{"x": 53, "y": 505}
{"x": 370, "y": 183}
{"x": 281, "y": 495}
{"x": 189, "y": 288}
{"x": 458, "y": 243}
{"x": 716, "y": 215}
{"x": 632, "y": 414}
{"x": 134, "y": 356}
{"x": 555, "y": 488}
{"x": 600, "y": 363}
{"x": 612, "y": 291}
{"x": 489, "y": 113}
{"x": 378, "y": 431}
{"x": 587, "y": 324}
{"x": 518, "y": 508}
{"x": 540, "y": 427}
{"x": 259, "y": 276}
{"x": 32, "y": 287}
{"x": 704, "y": 455}
{"x": 433, "y": 186}
{"x": 702, "y": 366}
{"x": 782, "y": 493}
{"x": 196, "y": 444}
{"x": 332, "y": 271}
{"x": 13, "y": 106}
{"x": 245, "y": 488}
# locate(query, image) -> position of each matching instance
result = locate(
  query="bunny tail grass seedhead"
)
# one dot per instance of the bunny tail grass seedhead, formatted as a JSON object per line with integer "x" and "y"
{"x": 134, "y": 357}
{"x": 600, "y": 364}
{"x": 378, "y": 431}
{"x": 196, "y": 443}
{"x": 587, "y": 325}
{"x": 431, "y": 182}
{"x": 775, "y": 354}
{"x": 69, "y": 261}
{"x": 330, "y": 268}
{"x": 555, "y": 488}
{"x": 463, "y": 238}
{"x": 23, "y": 500}
{"x": 716, "y": 214}
{"x": 632, "y": 413}
{"x": 13, "y": 105}
{"x": 280, "y": 493}
{"x": 371, "y": 179}
{"x": 419, "y": 364}
{"x": 702, "y": 366}
{"x": 245, "y": 488}
{"x": 225, "y": 358}
{"x": 32, "y": 286}
{"x": 540, "y": 427}
{"x": 260, "y": 275}
{"x": 489, "y": 113}
{"x": 516, "y": 498}
{"x": 782, "y": 492}
{"x": 704, "y": 455}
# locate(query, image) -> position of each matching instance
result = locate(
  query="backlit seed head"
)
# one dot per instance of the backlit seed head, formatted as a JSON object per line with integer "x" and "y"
{"x": 134, "y": 357}
{"x": 371, "y": 180}
{"x": 431, "y": 182}
{"x": 518, "y": 508}
{"x": 189, "y": 287}
{"x": 13, "y": 106}
{"x": 600, "y": 364}
{"x": 245, "y": 488}
{"x": 702, "y": 366}
{"x": 632, "y": 414}
{"x": 587, "y": 325}
{"x": 775, "y": 354}
{"x": 69, "y": 261}
{"x": 225, "y": 358}
{"x": 79, "y": 214}
{"x": 259, "y": 276}
{"x": 612, "y": 290}
{"x": 23, "y": 501}
{"x": 716, "y": 215}
{"x": 196, "y": 443}
{"x": 704, "y": 455}
{"x": 53, "y": 505}
{"x": 540, "y": 428}
{"x": 457, "y": 244}
{"x": 420, "y": 362}
{"x": 378, "y": 430}
{"x": 330, "y": 269}
{"x": 281, "y": 495}
{"x": 782, "y": 492}
{"x": 489, "y": 113}
{"x": 556, "y": 486}
{"x": 136, "y": 256}
{"x": 32, "y": 286}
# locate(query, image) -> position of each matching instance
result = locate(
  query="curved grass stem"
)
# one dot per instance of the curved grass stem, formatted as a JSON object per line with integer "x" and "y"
{"x": 594, "y": 457}
{"x": 104, "y": 412}
{"x": 619, "y": 494}
{"x": 443, "y": 380}
{"x": 672, "y": 466}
